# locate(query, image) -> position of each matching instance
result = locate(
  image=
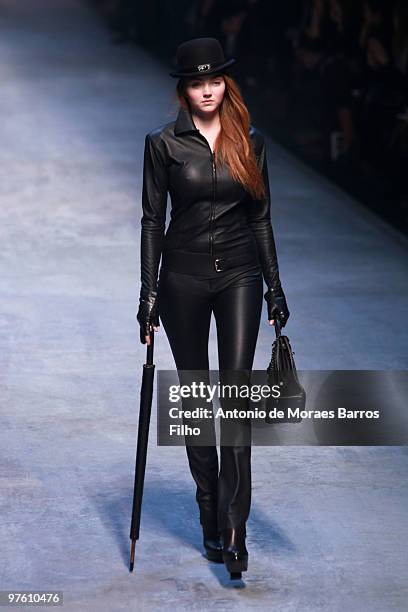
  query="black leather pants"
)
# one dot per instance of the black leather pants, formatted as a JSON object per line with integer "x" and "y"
{"x": 185, "y": 306}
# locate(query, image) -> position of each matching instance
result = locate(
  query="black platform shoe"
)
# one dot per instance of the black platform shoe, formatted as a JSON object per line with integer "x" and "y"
{"x": 212, "y": 544}
{"x": 234, "y": 552}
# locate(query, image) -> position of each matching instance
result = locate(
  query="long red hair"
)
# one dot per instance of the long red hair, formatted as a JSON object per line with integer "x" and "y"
{"x": 233, "y": 145}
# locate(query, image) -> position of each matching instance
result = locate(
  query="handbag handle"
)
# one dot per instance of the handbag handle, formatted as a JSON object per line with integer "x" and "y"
{"x": 277, "y": 326}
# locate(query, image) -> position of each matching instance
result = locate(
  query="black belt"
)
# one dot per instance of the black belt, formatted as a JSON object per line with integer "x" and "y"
{"x": 205, "y": 264}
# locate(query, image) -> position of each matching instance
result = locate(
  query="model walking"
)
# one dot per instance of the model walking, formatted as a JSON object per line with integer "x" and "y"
{"x": 217, "y": 247}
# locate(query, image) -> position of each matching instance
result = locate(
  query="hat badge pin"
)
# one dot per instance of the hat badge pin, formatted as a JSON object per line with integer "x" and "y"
{"x": 203, "y": 67}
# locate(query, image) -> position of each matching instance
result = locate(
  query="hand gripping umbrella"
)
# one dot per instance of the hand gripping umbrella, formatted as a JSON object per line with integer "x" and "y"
{"x": 146, "y": 396}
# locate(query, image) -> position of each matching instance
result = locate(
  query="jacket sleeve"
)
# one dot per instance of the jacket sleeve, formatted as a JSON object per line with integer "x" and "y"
{"x": 259, "y": 220}
{"x": 154, "y": 204}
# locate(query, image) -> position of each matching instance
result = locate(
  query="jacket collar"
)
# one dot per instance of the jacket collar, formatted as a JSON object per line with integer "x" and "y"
{"x": 184, "y": 122}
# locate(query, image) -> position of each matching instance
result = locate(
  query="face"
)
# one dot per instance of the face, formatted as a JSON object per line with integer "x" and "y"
{"x": 205, "y": 93}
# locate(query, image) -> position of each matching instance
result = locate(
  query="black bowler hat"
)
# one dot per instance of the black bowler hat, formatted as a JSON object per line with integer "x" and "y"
{"x": 200, "y": 56}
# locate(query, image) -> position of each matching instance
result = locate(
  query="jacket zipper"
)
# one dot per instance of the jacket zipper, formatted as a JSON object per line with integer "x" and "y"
{"x": 212, "y": 203}
{"x": 211, "y": 237}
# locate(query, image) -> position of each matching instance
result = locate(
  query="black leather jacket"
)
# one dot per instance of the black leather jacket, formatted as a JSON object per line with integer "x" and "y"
{"x": 210, "y": 211}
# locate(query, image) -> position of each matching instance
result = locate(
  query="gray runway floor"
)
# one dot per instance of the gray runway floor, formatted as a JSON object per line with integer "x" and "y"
{"x": 328, "y": 526}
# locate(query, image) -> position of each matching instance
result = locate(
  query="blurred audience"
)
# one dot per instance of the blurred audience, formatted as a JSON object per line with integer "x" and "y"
{"x": 329, "y": 77}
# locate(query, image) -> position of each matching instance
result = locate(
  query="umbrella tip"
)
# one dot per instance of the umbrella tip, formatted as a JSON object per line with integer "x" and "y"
{"x": 132, "y": 555}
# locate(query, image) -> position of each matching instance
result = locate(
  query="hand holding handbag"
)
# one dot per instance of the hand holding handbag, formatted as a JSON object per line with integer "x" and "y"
{"x": 282, "y": 371}
{"x": 276, "y": 304}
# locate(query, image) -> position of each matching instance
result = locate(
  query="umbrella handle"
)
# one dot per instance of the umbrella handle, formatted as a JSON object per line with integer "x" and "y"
{"x": 150, "y": 348}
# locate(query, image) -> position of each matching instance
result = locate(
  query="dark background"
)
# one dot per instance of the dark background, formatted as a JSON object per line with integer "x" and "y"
{"x": 326, "y": 78}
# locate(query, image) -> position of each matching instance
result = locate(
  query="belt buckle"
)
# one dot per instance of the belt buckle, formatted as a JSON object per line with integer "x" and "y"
{"x": 216, "y": 264}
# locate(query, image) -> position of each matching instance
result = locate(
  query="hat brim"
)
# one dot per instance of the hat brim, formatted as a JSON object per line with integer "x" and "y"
{"x": 218, "y": 68}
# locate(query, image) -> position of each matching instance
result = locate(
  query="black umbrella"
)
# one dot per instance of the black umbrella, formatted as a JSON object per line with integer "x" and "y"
{"x": 146, "y": 396}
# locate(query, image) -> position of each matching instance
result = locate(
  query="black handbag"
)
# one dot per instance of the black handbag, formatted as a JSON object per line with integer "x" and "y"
{"x": 282, "y": 372}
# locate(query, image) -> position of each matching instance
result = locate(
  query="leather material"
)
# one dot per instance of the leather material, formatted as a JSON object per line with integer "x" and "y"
{"x": 212, "y": 541}
{"x": 213, "y": 550}
{"x": 277, "y": 306}
{"x": 147, "y": 315}
{"x": 186, "y": 304}
{"x": 235, "y": 553}
{"x": 282, "y": 371}
{"x": 204, "y": 264}
{"x": 210, "y": 211}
